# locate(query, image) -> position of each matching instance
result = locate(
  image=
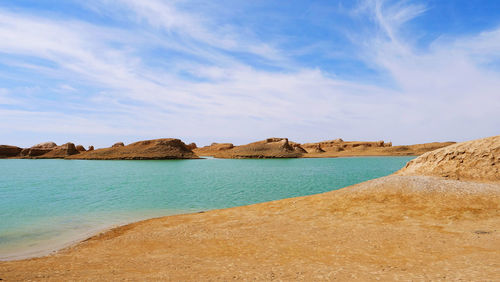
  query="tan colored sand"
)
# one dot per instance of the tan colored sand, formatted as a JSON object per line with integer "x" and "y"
{"x": 477, "y": 160}
{"x": 396, "y": 227}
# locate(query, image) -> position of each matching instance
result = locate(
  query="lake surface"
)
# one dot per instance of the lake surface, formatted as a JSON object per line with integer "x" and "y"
{"x": 48, "y": 204}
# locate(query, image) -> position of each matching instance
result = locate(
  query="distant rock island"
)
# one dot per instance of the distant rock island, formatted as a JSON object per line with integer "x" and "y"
{"x": 282, "y": 148}
{"x": 158, "y": 149}
{"x": 171, "y": 148}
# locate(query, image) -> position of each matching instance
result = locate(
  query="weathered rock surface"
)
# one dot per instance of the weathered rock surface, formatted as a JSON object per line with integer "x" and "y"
{"x": 213, "y": 149}
{"x": 118, "y": 144}
{"x": 269, "y": 148}
{"x": 7, "y": 151}
{"x": 316, "y": 149}
{"x": 34, "y": 152}
{"x": 477, "y": 160}
{"x": 80, "y": 148}
{"x": 45, "y": 145}
{"x": 91, "y": 148}
{"x": 341, "y": 148}
{"x": 157, "y": 149}
{"x": 60, "y": 152}
{"x": 192, "y": 146}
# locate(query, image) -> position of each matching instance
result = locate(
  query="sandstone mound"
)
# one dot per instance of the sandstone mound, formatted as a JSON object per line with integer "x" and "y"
{"x": 7, "y": 151}
{"x": 38, "y": 150}
{"x": 297, "y": 147}
{"x": 477, "y": 160}
{"x": 269, "y": 148}
{"x": 157, "y": 149}
{"x": 315, "y": 149}
{"x": 213, "y": 149}
{"x": 118, "y": 144}
{"x": 45, "y": 145}
{"x": 60, "y": 152}
{"x": 192, "y": 146}
{"x": 91, "y": 148}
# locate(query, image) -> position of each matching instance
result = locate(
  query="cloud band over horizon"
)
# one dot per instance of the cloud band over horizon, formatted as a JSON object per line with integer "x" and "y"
{"x": 237, "y": 71}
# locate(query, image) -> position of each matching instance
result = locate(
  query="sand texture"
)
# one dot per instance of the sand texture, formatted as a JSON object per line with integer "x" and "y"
{"x": 396, "y": 227}
{"x": 143, "y": 150}
{"x": 477, "y": 160}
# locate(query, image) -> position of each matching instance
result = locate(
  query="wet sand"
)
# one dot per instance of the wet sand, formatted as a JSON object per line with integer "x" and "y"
{"x": 395, "y": 227}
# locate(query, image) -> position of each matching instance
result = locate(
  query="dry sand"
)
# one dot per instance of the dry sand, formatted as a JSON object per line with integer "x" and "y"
{"x": 396, "y": 227}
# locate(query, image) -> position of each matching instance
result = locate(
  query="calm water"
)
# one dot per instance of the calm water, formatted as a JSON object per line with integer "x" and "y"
{"x": 47, "y": 204}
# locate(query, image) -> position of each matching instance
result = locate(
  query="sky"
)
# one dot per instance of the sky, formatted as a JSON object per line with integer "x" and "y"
{"x": 96, "y": 72}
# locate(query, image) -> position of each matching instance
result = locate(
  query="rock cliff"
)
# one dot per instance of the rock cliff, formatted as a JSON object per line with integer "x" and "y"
{"x": 7, "y": 151}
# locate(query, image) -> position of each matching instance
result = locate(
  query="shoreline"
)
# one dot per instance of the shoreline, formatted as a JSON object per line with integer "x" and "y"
{"x": 335, "y": 231}
{"x": 77, "y": 237}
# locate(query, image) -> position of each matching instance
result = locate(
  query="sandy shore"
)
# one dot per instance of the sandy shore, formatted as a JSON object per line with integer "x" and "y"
{"x": 395, "y": 227}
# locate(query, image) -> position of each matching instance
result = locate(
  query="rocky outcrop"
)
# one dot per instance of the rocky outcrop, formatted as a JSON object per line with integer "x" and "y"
{"x": 38, "y": 150}
{"x": 192, "y": 146}
{"x": 341, "y": 148}
{"x": 7, "y": 151}
{"x": 60, "y": 152}
{"x": 213, "y": 149}
{"x": 91, "y": 148}
{"x": 45, "y": 145}
{"x": 269, "y": 148}
{"x": 297, "y": 147}
{"x": 157, "y": 149}
{"x": 80, "y": 148}
{"x": 477, "y": 160}
{"x": 118, "y": 144}
{"x": 316, "y": 149}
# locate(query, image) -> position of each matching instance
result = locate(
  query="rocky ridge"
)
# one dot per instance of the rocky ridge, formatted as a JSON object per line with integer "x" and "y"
{"x": 157, "y": 149}
{"x": 477, "y": 160}
{"x": 269, "y": 148}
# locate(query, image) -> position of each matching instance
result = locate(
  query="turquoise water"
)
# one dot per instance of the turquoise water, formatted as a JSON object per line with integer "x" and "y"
{"x": 47, "y": 204}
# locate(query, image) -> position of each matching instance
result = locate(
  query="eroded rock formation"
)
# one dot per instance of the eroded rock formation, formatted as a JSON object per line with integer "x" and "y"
{"x": 269, "y": 148}
{"x": 7, "y": 151}
{"x": 157, "y": 149}
{"x": 477, "y": 160}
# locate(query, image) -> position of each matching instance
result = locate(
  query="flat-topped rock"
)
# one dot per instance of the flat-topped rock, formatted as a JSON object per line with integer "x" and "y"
{"x": 477, "y": 160}
{"x": 157, "y": 149}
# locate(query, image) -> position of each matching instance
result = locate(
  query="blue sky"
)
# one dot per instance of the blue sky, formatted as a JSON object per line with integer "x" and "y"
{"x": 100, "y": 71}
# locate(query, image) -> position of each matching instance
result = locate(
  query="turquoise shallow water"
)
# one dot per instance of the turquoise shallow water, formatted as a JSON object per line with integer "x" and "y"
{"x": 47, "y": 204}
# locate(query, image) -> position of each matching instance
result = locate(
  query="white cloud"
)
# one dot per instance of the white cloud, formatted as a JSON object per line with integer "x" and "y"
{"x": 444, "y": 93}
